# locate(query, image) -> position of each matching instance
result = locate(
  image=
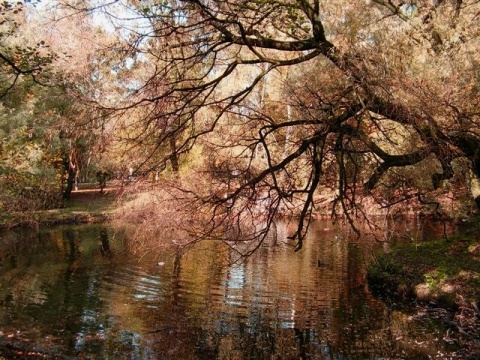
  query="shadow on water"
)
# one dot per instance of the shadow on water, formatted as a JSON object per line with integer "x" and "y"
{"x": 77, "y": 292}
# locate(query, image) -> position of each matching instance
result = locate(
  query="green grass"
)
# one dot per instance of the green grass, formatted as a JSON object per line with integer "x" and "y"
{"x": 449, "y": 270}
{"x": 86, "y": 205}
{"x": 91, "y": 200}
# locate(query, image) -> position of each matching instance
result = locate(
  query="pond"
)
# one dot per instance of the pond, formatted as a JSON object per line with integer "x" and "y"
{"x": 79, "y": 292}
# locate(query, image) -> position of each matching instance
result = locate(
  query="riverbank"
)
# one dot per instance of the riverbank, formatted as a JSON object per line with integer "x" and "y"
{"x": 84, "y": 206}
{"x": 442, "y": 277}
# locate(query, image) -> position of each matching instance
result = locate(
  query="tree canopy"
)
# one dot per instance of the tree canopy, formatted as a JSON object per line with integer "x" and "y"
{"x": 358, "y": 107}
{"x": 372, "y": 99}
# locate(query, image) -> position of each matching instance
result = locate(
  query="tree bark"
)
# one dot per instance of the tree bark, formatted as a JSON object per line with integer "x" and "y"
{"x": 173, "y": 155}
{"x": 70, "y": 183}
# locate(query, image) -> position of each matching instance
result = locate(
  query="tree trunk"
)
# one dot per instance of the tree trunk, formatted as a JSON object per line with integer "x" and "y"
{"x": 70, "y": 183}
{"x": 474, "y": 182}
{"x": 173, "y": 156}
{"x": 71, "y": 170}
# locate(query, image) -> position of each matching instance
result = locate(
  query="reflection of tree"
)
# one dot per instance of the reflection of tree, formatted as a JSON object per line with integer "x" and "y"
{"x": 260, "y": 306}
{"x": 277, "y": 303}
{"x": 105, "y": 243}
{"x": 63, "y": 298}
{"x": 176, "y": 285}
{"x": 175, "y": 330}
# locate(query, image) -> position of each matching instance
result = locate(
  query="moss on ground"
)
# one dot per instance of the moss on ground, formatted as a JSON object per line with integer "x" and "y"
{"x": 442, "y": 273}
{"x": 445, "y": 271}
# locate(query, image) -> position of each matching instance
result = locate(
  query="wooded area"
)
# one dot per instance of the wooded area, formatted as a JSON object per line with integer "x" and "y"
{"x": 242, "y": 110}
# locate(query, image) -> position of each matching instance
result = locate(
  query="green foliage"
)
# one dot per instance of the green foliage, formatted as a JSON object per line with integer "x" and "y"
{"x": 30, "y": 151}
{"x": 23, "y": 191}
{"x": 20, "y": 57}
{"x": 388, "y": 276}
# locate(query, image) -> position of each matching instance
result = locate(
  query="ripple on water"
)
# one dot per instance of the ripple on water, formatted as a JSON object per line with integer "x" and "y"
{"x": 134, "y": 283}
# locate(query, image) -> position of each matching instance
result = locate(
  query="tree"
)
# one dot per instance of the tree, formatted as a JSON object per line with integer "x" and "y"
{"x": 48, "y": 136}
{"x": 384, "y": 91}
{"x": 27, "y": 179}
{"x": 19, "y": 57}
{"x": 80, "y": 131}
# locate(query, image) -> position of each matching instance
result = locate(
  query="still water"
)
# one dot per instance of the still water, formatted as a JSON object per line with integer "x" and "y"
{"x": 79, "y": 292}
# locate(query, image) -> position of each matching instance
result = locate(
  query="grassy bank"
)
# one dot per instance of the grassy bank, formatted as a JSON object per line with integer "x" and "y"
{"x": 84, "y": 206}
{"x": 436, "y": 274}
{"x": 445, "y": 272}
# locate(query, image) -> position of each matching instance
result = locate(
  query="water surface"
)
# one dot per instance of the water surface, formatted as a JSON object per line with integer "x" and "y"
{"x": 78, "y": 292}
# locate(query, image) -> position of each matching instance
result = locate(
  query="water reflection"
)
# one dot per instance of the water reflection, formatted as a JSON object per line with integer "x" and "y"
{"x": 77, "y": 292}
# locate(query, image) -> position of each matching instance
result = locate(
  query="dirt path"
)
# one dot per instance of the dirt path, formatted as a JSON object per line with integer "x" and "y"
{"x": 93, "y": 199}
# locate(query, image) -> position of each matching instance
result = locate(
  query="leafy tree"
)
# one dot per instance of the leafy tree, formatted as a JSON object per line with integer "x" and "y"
{"x": 380, "y": 102}
{"x": 27, "y": 179}
{"x": 18, "y": 56}
{"x": 48, "y": 136}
